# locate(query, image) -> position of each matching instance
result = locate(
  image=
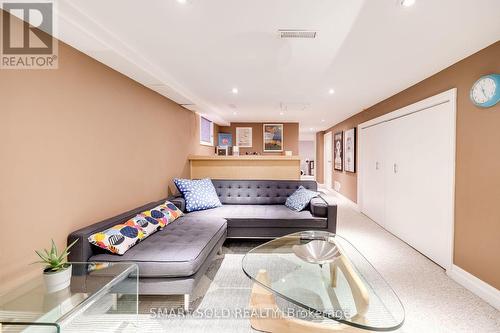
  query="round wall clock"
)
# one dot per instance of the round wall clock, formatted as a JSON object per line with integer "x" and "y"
{"x": 485, "y": 92}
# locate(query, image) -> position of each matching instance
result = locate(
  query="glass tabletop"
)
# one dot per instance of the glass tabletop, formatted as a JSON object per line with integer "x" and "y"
{"x": 92, "y": 291}
{"x": 325, "y": 274}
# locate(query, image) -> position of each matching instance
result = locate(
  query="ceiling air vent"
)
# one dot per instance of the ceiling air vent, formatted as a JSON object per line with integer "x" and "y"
{"x": 297, "y": 33}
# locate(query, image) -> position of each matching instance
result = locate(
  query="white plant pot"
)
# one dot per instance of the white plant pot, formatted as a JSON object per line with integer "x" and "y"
{"x": 55, "y": 281}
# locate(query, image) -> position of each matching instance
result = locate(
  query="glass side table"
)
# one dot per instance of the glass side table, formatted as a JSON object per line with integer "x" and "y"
{"x": 96, "y": 290}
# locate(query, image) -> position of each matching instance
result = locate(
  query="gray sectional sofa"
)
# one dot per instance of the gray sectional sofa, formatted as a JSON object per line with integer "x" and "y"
{"x": 172, "y": 260}
{"x": 256, "y": 208}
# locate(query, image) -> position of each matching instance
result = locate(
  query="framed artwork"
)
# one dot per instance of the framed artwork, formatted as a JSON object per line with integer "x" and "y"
{"x": 225, "y": 140}
{"x": 350, "y": 150}
{"x": 223, "y": 151}
{"x": 244, "y": 137}
{"x": 206, "y": 132}
{"x": 338, "y": 149}
{"x": 273, "y": 137}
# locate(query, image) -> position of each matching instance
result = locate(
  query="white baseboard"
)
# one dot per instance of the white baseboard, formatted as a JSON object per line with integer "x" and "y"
{"x": 482, "y": 289}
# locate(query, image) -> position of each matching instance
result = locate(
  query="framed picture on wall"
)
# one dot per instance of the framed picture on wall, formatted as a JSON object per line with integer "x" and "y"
{"x": 338, "y": 149}
{"x": 350, "y": 150}
{"x": 225, "y": 140}
{"x": 273, "y": 137}
{"x": 244, "y": 137}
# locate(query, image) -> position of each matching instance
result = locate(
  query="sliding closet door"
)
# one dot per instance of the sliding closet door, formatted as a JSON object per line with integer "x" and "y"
{"x": 418, "y": 188}
{"x": 407, "y": 160}
{"x": 398, "y": 170}
{"x": 372, "y": 141}
{"x": 433, "y": 182}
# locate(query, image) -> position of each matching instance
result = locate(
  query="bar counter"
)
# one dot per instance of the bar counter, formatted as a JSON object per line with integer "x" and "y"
{"x": 245, "y": 167}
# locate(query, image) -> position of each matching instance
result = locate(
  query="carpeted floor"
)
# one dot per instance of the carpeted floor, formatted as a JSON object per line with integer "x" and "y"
{"x": 433, "y": 302}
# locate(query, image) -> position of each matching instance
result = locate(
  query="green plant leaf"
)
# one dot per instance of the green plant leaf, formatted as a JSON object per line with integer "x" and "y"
{"x": 55, "y": 261}
{"x": 70, "y": 245}
{"x": 41, "y": 256}
{"x": 65, "y": 252}
{"x": 53, "y": 250}
{"x": 62, "y": 257}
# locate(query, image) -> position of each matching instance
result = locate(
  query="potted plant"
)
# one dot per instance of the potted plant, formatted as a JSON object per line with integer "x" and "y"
{"x": 57, "y": 273}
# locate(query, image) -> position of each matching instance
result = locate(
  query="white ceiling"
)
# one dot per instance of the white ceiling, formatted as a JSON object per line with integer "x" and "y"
{"x": 195, "y": 53}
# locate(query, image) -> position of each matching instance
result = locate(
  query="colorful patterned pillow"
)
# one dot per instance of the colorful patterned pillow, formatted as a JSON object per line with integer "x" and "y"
{"x": 300, "y": 198}
{"x": 147, "y": 224}
{"x": 164, "y": 213}
{"x": 199, "y": 194}
{"x": 173, "y": 211}
{"x": 119, "y": 238}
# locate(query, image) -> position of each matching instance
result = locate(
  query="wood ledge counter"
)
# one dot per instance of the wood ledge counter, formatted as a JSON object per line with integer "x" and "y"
{"x": 245, "y": 167}
{"x": 243, "y": 157}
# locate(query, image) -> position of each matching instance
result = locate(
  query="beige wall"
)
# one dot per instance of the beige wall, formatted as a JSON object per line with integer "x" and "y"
{"x": 477, "y": 195}
{"x": 80, "y": 144}
{"x": 320, "y": 153}
{"x": 290, "y": 137}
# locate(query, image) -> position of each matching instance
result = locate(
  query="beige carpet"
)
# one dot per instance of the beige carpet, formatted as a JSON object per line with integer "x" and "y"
{"x": 433, "y": 302}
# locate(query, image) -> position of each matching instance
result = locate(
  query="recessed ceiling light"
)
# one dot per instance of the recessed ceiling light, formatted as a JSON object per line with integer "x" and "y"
{"x": 331, "y": 91}
{"x": 182, "y": 1}
{"x": 322, "y": 120}
{"x": 234, "y": 113}
{"x": 282, "y": 113}
{"x": 407, "y": 3}
{"x": 234, "y": 90}
{"x": 311, "y": 129}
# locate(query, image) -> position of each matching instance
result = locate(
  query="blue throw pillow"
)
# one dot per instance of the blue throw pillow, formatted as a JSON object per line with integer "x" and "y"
{"x": 199, "y": 194}
{"x": 300, "y": 199}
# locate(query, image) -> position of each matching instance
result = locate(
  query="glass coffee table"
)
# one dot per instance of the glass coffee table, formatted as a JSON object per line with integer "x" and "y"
{"x": 99, "y": 292}
{"x": 324, "y": 277}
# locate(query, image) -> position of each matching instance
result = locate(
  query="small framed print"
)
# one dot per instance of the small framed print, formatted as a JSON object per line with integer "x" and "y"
{"x": 350, "y": 150}
{"x": 225, "y": 140}
{"x": 338, "y": 149}
{"x": 244, "y": 137}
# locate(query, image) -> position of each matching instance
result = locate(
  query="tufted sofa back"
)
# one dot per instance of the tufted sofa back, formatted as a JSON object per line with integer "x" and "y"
{"x": 258, "y": 192}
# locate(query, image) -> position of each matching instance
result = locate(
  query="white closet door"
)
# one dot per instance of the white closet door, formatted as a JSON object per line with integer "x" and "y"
{"x": 398, "y": 171}
{"x": 432, "y": 183}
{"x": 418, "y": 189}
{"x": 373, "y": 142}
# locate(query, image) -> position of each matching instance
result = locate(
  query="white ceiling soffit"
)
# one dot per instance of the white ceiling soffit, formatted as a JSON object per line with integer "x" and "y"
{"x": 91, "y": 37}
{"x": 197, "y": 52}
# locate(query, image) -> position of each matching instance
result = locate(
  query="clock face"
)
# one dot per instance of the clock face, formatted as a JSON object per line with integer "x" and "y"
{"x": 483, "y": 90}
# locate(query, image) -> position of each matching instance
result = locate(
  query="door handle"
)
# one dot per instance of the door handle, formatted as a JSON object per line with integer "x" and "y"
{"x": 395, "y": 168}
{"x": 376, "y": 166}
